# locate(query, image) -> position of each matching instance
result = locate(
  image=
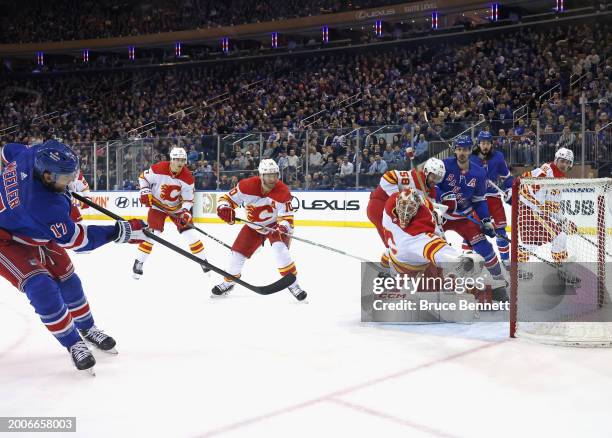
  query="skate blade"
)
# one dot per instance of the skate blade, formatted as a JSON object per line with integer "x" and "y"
{"x": 219, "y": 297}
{"x": 112, "y": 351}
{"x": 88, "y": 372}
{"x": 136, "y": 276}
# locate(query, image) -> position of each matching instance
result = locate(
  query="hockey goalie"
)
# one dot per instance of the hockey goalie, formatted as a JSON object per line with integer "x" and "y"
{"x": 392, "y": 182}
{"x": 413, "y": 238}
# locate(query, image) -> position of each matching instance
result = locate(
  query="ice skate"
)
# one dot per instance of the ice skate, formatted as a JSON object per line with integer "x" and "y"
{"x": 222, "y": 289}
{"x": 137, "y": 270}
{"x": 82, "y": 358}
{"x": 298, "y": 292}
{"x": 99, "y": 339}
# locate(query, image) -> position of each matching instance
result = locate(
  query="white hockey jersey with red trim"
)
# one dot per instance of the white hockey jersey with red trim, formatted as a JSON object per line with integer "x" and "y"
{"x": 392, "y": 180}
{"x": 539, "y": 198}
{"x": 80, "y": 186}
{"x": 415, "y": 245}
{"x": 263, "y": 209}
{"x": 171, "y": 192}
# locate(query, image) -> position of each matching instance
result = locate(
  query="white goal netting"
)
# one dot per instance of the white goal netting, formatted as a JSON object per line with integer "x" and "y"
{"x": 561, "y": 252}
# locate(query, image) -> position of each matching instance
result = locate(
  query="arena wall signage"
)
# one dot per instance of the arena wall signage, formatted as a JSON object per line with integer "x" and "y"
{"x": 332, "y": 209}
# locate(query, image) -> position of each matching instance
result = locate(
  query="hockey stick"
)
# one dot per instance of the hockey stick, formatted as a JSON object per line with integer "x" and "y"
{"x": 201, "y": 231}
{"x": 263, "y": 227}
{"x": 283, "y": 283}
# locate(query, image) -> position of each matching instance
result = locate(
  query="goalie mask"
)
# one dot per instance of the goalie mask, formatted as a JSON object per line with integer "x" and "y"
{"x": 406, "y": 206}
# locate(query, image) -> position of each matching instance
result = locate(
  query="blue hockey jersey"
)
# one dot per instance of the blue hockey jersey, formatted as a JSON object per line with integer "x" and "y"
{"x": 496, "y": 169}
{"x": 35, "y": 215}
{"x": 469, "y": 188}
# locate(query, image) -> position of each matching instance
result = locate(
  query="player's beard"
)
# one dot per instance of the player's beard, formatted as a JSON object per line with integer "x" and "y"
{"x": 267, "y": 187}
{"x": 487, "y": 153}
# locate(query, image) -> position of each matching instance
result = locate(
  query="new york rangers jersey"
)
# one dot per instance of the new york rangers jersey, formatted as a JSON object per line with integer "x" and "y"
{"x": 469, "y": 188}
{"x": 263, "y": 209}
{"x": 35, "y": 215}
{"x": 170, "y": 192}
{"x": 496, "y": 170}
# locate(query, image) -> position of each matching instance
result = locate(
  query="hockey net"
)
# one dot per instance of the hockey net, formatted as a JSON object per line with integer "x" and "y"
{"x": 561, "y": 248}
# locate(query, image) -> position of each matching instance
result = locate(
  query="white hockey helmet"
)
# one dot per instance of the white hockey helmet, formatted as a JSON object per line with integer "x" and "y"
{"x": 406, "y": 205}
{"x": 435, "y": 166}
{"x": 566, "y": 154}
{"x": 268, "y": 166}
{"x": 178, "y": 153}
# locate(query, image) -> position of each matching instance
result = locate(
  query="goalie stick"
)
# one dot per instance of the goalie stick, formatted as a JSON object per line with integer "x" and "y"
{"x": 279, "y": 285}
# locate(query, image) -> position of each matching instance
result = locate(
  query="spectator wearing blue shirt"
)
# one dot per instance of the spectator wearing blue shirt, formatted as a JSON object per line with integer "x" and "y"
{"x": 379, "y": 166}
{"x": 388, "y": 155}
{"x": 422, "y": 146}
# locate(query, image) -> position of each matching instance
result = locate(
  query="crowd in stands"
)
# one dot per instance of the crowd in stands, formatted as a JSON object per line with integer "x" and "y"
{"x": 36, "y": 21}
{"x": 318, "y": 109}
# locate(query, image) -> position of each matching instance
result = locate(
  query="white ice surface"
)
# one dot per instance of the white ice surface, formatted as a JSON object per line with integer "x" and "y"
{"x": 249, "y": 365}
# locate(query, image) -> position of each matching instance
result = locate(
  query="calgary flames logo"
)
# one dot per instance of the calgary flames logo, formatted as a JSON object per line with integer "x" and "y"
{"x": 169, "y": 192}
{"x": 254, "y": 214}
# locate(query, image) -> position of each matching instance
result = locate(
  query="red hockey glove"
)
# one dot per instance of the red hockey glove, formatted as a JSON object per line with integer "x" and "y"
{"x": 145, "y": 197}
{"x": 226, "y": 213}
{"x": 283, "y": 229}
{"x": 83, "y": 205}
{"x": 184, "y": 217}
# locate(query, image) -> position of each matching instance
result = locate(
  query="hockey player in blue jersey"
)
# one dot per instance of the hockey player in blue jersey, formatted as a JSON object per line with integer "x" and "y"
{"x": 463, "y": 190}
{"x": 35, "y": 232}
{"x": 497, "y": 171}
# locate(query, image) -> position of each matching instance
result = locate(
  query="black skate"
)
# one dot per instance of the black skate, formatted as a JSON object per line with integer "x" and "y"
{"x": 82, "y": 358}
{"x": 99, "y": 339}
{"x": 137, "y": 269}
{"x": 222, "y": 289}
{"x": 297, "y": 292}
